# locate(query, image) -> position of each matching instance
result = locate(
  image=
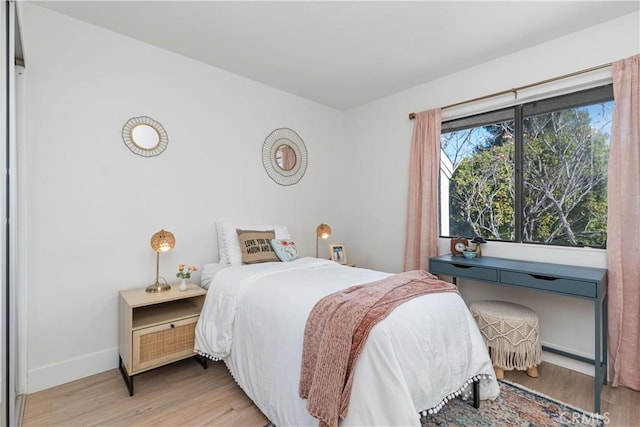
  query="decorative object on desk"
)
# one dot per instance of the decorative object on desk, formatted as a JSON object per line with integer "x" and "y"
{"x": 478, "y": 241}
{"x": 144, "y": 136}
{"x": 458, "y": 245}
{"x": 284, "y": 156}
{"x": 323, "y": 231}
{"x": 184, "y": 273}
{"x": 162, "y": 241}
{"x": 469, "y": 254}
{"x": 338, "y": 253}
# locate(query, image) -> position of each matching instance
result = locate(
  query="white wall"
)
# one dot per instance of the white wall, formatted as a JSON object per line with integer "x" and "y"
{"x": 92, "y": 205}
{"x": 378, "y": 139}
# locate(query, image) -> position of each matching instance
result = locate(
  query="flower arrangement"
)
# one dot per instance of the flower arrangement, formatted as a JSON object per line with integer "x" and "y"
{"x": 184, "y": 271}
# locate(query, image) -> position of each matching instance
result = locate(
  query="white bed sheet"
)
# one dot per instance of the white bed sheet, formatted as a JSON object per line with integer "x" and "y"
{"x": 254, "y": 318}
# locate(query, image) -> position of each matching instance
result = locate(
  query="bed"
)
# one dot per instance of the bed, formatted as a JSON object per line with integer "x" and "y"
{"x": 427, "y": 351}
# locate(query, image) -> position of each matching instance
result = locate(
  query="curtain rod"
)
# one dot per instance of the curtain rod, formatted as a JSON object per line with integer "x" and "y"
{"x": 516, "y": 89}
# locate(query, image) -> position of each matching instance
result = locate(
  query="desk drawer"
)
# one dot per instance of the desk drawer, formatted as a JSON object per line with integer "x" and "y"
{"x": 549, "y": 283}
{"x": 463, "y": 271}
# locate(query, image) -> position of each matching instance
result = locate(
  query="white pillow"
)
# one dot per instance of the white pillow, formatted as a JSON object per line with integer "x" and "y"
{"x": 208, "y": 273}
{"x": 229, "y": 245}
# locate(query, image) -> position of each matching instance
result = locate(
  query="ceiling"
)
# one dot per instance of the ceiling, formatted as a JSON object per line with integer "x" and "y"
{"x": 338, "y": 53}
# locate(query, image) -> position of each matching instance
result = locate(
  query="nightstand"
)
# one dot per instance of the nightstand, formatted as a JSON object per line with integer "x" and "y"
{"x": 156, "y": 329}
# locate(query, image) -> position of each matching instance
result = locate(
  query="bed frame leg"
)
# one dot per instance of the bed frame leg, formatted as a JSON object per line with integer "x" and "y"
{"x": 476, "y": 399}
{"x": 201, "y": 360}
{"x": 476, "y": 394}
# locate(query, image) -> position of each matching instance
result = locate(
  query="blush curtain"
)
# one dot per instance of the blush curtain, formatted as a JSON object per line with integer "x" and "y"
{"x": 623, "y": 225}
{"x": 422, "y": 206}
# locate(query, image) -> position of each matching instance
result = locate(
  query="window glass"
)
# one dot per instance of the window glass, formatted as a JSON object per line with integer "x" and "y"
{"x": 565, "y": 176}
{"x": 557, "y": 196}
{"x": 478, "y": 186}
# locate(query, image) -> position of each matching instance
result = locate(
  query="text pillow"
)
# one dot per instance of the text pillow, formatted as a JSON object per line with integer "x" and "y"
{"x": 228, "y": 244}
{"x": 255, "y": 246}
{"x": 285, "y": 249}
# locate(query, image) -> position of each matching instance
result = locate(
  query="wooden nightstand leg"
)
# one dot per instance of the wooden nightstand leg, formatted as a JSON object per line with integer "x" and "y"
{"x": 128, "y": 380}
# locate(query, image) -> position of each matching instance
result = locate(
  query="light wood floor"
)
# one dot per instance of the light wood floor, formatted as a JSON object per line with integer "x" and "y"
{"x": 184, "y": 394}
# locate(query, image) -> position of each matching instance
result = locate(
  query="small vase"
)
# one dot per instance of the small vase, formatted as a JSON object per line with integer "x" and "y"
{"x": 183, "y": 285}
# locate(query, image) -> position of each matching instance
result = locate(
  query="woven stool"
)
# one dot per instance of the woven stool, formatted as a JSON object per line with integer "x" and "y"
{"x": 512, "y": 334}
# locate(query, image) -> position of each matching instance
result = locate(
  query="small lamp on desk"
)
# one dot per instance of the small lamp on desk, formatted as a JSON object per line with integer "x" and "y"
{"x": 478, "y": 241}
{"x": 323, "y": 231}
{"x": 162, "y": 241}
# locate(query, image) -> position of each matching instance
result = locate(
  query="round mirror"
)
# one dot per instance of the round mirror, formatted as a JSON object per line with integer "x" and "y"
{"x": 285, "y": 157}
{"x": 144, "y": 136}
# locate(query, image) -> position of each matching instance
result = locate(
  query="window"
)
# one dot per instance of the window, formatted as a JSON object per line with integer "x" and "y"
{"x": 534, "y": 173}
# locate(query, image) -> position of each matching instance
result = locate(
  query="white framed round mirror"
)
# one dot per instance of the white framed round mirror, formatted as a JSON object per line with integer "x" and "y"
{"x": 145, "y": 136}
{"x": 284, "y": 156}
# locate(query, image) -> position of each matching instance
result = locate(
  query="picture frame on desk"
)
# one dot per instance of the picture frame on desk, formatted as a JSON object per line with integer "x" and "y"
{"x": 338, "y": 253}
{"x": 458, "y": 245}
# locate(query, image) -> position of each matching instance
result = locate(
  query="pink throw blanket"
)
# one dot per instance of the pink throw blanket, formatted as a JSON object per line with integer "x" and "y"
{"x": 337, "y": 330}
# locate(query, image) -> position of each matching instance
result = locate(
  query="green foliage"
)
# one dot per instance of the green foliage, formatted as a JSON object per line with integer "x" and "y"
{"x": 564, "y": 182}
{"x": 482, "y": 190}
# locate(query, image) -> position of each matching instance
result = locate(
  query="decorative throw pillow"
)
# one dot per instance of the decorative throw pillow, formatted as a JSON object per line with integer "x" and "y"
{"x": 228, "y": 244}
{"x": 256, "y": 246}
{"x": 285, "y": 249}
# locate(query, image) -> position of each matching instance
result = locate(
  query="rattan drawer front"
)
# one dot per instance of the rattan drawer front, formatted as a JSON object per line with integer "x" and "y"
{"x": 164, "y": 343}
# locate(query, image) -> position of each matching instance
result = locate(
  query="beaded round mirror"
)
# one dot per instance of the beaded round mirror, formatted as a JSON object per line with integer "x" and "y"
{"x": 284, "y": 156}
{"x": 144, "y": 136}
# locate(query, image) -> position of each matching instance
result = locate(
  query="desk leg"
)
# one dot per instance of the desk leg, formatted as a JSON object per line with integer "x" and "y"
{"x": 597, "y": 357}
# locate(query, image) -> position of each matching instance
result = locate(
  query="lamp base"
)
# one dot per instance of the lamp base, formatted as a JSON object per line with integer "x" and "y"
{"x": 158, "y": 287}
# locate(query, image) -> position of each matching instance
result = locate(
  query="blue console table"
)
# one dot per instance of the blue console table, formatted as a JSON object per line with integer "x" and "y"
{"x": 572, "y": 281}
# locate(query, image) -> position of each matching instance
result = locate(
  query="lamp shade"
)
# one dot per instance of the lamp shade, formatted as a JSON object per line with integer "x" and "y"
{"x": 323, "y": 231}
{"x": 163, "y": 241}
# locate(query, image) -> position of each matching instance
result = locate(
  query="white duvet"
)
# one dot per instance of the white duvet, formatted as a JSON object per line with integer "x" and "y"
{"x": 425, "y": 350}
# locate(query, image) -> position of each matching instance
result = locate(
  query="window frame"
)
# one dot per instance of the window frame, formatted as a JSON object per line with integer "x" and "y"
{"x": 518, "y": 113}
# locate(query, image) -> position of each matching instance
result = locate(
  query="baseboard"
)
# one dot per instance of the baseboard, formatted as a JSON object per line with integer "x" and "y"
{"x": 71, "y": 369}
{"x": 566, "y": 362}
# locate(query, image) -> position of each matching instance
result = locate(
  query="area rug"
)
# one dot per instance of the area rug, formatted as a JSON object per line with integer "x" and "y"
{"x": 516, "y": 406}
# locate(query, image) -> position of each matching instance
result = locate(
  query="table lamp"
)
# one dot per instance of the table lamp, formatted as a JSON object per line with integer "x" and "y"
{"x": 322, "y": 232}
{"x": 162, "y": 241}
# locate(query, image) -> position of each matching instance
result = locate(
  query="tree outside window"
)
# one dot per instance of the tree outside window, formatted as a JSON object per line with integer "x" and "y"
{"x": 533, "y": 173}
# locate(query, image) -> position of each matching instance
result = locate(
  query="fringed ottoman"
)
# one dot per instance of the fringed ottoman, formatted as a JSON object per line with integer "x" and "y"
{"x": 512, "y": 334}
